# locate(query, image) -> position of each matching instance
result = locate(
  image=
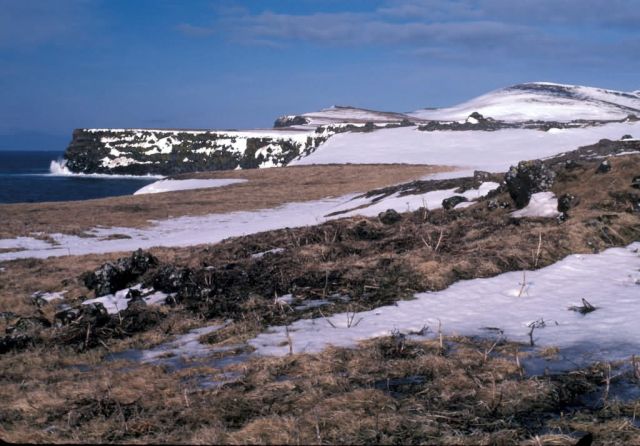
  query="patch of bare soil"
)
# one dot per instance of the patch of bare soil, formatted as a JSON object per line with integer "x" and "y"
{"x": 265, "y": 188}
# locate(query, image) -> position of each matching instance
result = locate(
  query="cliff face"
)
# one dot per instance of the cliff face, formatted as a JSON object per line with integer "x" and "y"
{"x": 166, "y": 152}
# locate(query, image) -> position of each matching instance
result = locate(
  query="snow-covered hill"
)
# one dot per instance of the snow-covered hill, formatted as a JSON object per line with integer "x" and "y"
{"x": 493, "y": 151}
{"x": 519, "y": 122}
{"x": 542, "y": 101}
{"x": 339, "y": 114}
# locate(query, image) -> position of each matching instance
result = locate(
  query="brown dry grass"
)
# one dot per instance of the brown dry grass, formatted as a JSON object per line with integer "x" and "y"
{"x": 266, "y": 188}
{"x": 373, "y": 263}
{"x": 388, "y": 391}
{"x": 467, "y": 397}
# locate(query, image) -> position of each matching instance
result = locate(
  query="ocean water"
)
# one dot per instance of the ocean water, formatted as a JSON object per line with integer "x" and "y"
{"x": 37, "y": 176}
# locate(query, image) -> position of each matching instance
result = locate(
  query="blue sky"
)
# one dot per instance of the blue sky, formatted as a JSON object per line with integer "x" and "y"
{"x": 239, "y": 64}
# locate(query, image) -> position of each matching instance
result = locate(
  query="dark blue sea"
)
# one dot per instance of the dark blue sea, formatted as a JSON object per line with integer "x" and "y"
{"x": 26, "y": 177}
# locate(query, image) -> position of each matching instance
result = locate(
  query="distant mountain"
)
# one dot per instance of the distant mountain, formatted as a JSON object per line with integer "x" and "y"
{"x": 338, "y": 114}
{"x": 543, "y": 101}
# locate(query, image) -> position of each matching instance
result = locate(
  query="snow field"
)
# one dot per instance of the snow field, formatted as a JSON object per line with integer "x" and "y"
{"x": 511, "y": 302}
{"x": 481, "y": 150}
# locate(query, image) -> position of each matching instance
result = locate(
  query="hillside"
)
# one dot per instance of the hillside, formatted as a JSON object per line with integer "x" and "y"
{"x": 543, "y": 101}
{"x": 571, "y": 116}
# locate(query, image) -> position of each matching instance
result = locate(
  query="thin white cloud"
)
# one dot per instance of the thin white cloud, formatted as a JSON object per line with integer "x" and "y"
{"x": 30, "y": 23}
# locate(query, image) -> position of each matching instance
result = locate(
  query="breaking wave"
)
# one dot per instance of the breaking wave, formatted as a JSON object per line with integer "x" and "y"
{"x": 59, "y": 168}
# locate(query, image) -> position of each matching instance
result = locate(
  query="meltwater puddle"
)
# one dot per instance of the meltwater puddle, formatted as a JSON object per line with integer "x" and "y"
{"x": 186, "y": 351}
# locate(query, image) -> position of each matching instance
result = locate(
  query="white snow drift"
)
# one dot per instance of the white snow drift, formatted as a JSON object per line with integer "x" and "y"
{"x": 610, "y": 281}
{"x": 174, "y": 185}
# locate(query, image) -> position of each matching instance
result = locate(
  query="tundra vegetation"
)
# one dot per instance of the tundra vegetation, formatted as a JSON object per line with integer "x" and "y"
{"x": 78, "y": 378}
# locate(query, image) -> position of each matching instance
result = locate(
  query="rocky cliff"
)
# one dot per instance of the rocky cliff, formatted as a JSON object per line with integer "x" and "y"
{"x": 166, "y": 152}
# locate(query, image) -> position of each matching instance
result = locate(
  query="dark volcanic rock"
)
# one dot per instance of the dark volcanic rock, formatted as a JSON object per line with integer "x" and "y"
{"x": 566, "y": 202}
{"x": 171, "y": 279}
{"x": 451, "y": 202}
{"x": 389, "y": 217}
{"x": 526, "y": 179}
{"x": 17, "y": 342}
{"x": 604, "y": 167}
{"x": 495, "y": 204}
{"x": 114, "y": 276}
{"x": 67, "y": 315}
{"x": 602, "y": 149}
{"x": 480, "y": 176}
{"x": 288, "y": 121}
{"x": 168, "y": 152}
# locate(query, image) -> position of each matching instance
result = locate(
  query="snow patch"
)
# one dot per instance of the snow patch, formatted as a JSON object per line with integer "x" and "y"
{"x": 48, "y": 297}
{"x": 188, "y": 230}
{"x": 542, "y": 204}
{"x": 608, "y": 280}
{"x": 117, "y": 302}
{"x": 175, "y": 185}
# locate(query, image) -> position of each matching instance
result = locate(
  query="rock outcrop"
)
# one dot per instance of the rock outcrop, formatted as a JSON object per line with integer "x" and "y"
{"x": 114, "y": 276}
{"x": 527, "y": 178}
{"x": 167, "y": 152}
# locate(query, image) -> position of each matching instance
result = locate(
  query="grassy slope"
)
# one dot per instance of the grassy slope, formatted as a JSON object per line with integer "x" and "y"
{"x": 464, "y": 395}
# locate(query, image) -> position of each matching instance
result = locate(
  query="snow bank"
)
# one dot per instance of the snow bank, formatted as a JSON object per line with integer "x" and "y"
{"x": 175, "y": 185}
{"x": 610, "y": 281}
{"x": 490, "y": 151}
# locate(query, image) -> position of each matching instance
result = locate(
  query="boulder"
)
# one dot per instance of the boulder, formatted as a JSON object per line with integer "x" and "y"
{"x": 480, "y": 176}
{"x": 566, "y": 202}
{"x": 170, "y": 279}
{"x": 451, "y": 202}
{"x": 627, "y": 136}
{"x": 114, "y": 276}
{"x": 636, "y": 182}
{"x": 66, "y": 315}
{"x": 288, "y": 121}
{"x": 526, "y": 179}
{"x": 96, "y": 313}
{"x": 389, "y": 217}
{"x": 604, "y": 167}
